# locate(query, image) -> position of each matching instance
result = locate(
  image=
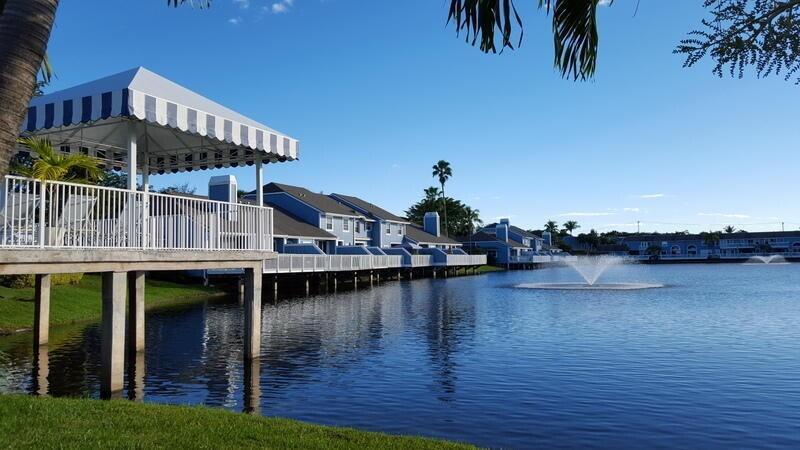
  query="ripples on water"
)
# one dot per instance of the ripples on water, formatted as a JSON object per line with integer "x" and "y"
{"x": 710, "y": 361}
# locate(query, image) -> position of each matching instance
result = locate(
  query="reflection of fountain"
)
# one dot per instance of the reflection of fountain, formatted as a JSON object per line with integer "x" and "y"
{"x": 771, "y": 259}
{"x": 591, "y": 268}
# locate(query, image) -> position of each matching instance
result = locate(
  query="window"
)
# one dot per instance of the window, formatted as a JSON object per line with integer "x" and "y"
{"x": 358, "y": 226}
{"x": 399, "y": 229}
{"x": 329, "y": 223}
{"x": 369, "y": 226}
{"x": 388, "y": 229}
{"x": 346, "y": 224}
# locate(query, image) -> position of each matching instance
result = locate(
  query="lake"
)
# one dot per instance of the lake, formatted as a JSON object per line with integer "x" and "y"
{"x": 711, "y": 360}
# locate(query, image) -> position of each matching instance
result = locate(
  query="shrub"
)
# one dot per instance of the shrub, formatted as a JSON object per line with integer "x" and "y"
{"x": 26, "y": 281}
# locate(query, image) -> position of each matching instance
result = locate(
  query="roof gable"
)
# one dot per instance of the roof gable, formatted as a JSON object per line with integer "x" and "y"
{"x": 420, "y": 236}
{"x": 370, "y": 208}
{"x": 320, "y": 202}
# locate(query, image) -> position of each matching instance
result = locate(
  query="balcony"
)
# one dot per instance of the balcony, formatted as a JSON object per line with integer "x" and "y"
{"x": 61, "y": 215}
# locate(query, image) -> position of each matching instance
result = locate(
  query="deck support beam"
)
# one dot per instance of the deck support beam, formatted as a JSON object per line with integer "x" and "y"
{"x": 252, "y": 313}
{"x": 113, "y": 334}
{"x": 41, "y": 310}
{"x": 136, "y": 311}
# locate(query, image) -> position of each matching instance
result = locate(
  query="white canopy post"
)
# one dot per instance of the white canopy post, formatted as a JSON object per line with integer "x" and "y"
{"x": 259, "y": 180}
{"x": 145, "y": 196}
{"x": 132, "y": 148}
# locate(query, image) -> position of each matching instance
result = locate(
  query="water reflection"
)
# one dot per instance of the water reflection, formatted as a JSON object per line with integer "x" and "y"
{"x": 471, "y": 359}
{"x": 41, "y": 370}
{"x": 136, "y": 376}
{"x": 252, "y": 386}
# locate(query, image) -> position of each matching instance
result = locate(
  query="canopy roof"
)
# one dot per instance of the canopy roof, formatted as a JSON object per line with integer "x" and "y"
{"x": 176, "y": 128}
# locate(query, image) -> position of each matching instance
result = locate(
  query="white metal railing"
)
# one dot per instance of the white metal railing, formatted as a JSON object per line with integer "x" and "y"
{"x": 538, "y": 259}
{"x": 421, "y": 260}
{"x": 286, "y": 263}
{"x": 465, "y": 260}
{"x": 34, "y": 213}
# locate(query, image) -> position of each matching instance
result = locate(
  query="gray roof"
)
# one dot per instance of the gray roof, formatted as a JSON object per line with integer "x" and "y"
{"x": 320, "y": 202}
{"x": 372, "y": 209}
{"x": 421, "y": 236}
{"x": 516, "y": 230}
{"x": 482, "y": 236}
{"x": 286, "y": 225}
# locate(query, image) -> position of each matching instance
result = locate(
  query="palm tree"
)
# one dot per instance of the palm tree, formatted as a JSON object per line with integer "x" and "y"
{"x": 444, "y": 172}
{"x": 571, "y": 226}
{"x": 473, "y": 217}
{"x": 729, "y": 229}
{"x": 49, "y": 165}
{"x": 431, "y": 193}
{"x": 551, "y": 227}
{"x": 711, "y": 239}
{"x": 25, "y": 27}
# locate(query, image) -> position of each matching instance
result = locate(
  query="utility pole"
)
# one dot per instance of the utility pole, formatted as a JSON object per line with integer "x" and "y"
{"x": 638, "y": 227}
{"x": 783, "y": 226}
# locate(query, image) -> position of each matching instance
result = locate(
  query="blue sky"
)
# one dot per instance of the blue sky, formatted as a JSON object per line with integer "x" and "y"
{"x": 378, "y": 93}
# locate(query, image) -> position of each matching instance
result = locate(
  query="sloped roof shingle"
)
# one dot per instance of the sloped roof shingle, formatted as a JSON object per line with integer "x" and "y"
{"x": 417, "y": 234}
{"x": 320, "y": 202}
{"x": 286, "y": 225}
{"x": 371, "y": 208}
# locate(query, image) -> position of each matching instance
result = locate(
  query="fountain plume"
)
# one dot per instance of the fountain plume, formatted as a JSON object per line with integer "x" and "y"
{"x": 591, "y": 268}
{"x": 771, "y": 259}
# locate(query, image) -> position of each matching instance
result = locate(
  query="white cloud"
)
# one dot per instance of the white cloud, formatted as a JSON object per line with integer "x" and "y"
{"x": 604, "y": 2}
{"x": 281, "y": 7}
{"x": 651, "y": 196}
{"x": 235, "y": 20}
{"x": 244, "y": 4}
{"x": 586, "y": 214}
{"x": 631, "y": 209}
{"x": 724, "y": 215}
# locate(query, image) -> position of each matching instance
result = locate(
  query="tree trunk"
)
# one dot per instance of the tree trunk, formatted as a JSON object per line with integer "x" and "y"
{"x": 24, "y": 31}
{"x": 444, "y": 202}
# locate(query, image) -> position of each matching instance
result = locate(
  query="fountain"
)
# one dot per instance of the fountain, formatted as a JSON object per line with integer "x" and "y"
{"x": 759, "y": 260}
{"x": 591, "y": 268}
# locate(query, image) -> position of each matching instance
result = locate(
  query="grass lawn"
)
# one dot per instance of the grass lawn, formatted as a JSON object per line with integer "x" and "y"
{"x": 81, "y": 303}
{"x": 31, "y": 422}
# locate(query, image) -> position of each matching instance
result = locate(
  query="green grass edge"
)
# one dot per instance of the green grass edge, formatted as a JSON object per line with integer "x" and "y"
{"x": 44, "y": 422}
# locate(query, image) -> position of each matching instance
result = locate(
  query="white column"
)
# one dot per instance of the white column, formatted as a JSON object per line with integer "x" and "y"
{"x": 146, "y": 172}
{"x": 146, "y": 198}
{"x": 41, "y": 310}
{"x": 135, "y": 324}
{"x": 259, "y": 180}
{"x": 252, "y": 313}
{"x": 113, "y": 333}
{"x": 132, "y": 154}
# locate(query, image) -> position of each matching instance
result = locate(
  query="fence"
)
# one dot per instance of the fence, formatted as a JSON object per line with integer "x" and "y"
{"x": 68, "y": 215}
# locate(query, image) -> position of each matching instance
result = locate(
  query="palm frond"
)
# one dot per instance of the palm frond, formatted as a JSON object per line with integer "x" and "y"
{"x": 574, "y": 30}
{"x": 53, "y": 166}
{"x": 202, "y": 4}
{"x": 575, "y": 38}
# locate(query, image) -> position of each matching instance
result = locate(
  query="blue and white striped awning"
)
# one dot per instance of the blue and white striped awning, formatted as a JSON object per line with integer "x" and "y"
{"x": 181, "y": 130}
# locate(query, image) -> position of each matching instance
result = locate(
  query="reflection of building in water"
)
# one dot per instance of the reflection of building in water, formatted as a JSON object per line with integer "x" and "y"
{"x": 222, "y": 354}
{"x": 446, "y": 322}
{"x": 305, "y": 333}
